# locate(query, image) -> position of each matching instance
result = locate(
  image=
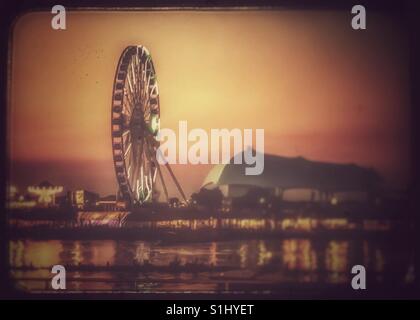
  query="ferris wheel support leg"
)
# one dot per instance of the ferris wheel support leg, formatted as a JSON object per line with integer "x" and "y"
{"x": 165, "y": 190}
{"x": 176, "y": 181}
{"x": 150, "y": 154}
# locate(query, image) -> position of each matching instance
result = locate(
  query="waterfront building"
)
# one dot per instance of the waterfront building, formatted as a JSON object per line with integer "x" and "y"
{"x": 82, "y": 199}
{"x": 45, "y": 193}
{"x": 108, "y": 203}
{"x": 15, "y": 200}
{"x": 298, "y": 180}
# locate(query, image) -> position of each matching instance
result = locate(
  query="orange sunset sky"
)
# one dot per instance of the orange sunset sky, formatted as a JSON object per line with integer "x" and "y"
{"x": 319, "y": 89}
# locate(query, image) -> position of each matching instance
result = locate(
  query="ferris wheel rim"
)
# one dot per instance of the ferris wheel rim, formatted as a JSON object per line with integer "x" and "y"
{"x": 135, "y": 105}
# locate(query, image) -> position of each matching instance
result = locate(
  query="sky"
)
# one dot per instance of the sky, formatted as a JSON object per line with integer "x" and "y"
{"x": 317, "y": 87}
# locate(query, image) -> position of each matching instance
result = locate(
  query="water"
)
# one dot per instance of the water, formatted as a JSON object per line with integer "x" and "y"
{"x": 238, "y": 266}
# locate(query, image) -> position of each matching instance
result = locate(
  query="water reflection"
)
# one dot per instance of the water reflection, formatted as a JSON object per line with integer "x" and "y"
{"x": 115, "y": 220}
{"x": 266, "y": 224}
{"x": 298, "y": 254}
{"x": 336, "y": 261}
{"x": 263, "y": 262}
{"x": 35, "y": 253}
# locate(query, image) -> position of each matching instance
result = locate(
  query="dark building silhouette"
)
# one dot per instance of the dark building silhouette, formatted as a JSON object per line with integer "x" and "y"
{"x": 298, "y": 179}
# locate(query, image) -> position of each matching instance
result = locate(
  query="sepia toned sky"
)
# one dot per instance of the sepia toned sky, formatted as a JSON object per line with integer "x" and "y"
{"x": 320, "y": 89}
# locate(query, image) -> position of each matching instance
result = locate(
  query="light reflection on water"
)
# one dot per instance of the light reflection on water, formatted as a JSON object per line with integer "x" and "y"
{"x": 114, "y": 220}
{"x": 262, "y": 262}
{"x": 266, "y": 224}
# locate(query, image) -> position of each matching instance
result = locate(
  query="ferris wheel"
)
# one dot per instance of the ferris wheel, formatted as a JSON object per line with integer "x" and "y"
{"x": 135, "y": 123}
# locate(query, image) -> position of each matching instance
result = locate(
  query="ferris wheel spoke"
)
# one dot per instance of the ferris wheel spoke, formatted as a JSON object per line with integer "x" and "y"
{"x": 146, "y": 183}
{"x": 133, "y": 155}
{"x": 128, "y": 103}
{"x": 125, "y": 123}
{"x": 141, "y": 178}
{"x": 147, "y": 86}
{"x": 126, "y": 140}
{"x": 134, "y": 81}
{"x": 147, "y": 114}
{"x": 139, "y": 71}
{"x": 135, "y": 172}
{"x": 147, "y": 109}
{"x": 146, "y": 102}
{"x": 145, "y": 172}
{"x": 141, "y": 146}
{"x": 137, "y": 189}
{"x": 144, "y": 80}
{"x": 154, "y": 91}
{"x": 126, "y": 135}
{"x": 154, "y": 175}
{"x": 127, "y": 109}
{"x": 130, "y": 85}
{"x": 129, "y": 171}
{"x": 129, "y": 161}
{"x": 135, "y": 72}
{"x": 140, "y": 163}
{"x": 128, "y": 149}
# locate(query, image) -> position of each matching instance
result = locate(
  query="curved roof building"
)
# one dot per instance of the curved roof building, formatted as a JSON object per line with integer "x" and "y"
{"x": 293, "y": 173}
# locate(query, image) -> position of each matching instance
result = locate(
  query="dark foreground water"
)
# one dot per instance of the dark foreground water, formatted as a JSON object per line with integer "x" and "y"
{"x": 232, "y": 266}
